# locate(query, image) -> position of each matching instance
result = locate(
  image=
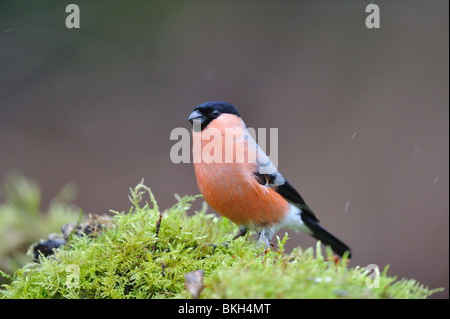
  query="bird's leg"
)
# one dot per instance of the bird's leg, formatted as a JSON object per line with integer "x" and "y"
{"x": 242, "y": 232}
{"x": 265, "y": 235}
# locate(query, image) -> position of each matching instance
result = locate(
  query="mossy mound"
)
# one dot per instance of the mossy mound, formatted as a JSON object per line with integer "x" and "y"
{"x": 146, "y": 254}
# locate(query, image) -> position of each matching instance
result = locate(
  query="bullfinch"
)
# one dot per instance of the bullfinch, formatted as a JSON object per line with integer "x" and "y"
{"x": 238, "y": 180}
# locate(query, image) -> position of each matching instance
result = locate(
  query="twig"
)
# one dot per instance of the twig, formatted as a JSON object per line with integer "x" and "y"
{"x": 158, "y": 225}
{"x": 163, "y": 266}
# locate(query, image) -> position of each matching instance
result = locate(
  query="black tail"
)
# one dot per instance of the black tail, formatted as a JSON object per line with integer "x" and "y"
{"x": 320, "y": 233}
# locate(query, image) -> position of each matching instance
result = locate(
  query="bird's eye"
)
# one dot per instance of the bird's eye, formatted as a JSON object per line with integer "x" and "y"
{"x": 215, "y": 113}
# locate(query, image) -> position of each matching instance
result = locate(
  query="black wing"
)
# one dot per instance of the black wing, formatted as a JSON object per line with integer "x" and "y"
{"x": 267, "y": 175}
{"x": 285, "y": 189}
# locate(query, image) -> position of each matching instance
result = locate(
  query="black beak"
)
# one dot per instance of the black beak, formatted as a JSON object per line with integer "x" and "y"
{"x": 195, "y": 115}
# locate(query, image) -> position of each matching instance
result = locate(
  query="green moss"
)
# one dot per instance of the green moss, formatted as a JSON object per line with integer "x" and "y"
{"x": 23, "y": 221}
{"x": 133, "y": 260}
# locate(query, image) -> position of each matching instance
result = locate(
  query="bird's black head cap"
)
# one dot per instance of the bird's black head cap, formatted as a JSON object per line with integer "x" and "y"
{"x": 209, "y": 111}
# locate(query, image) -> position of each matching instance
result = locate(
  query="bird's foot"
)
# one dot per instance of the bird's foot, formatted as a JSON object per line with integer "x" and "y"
{"x": 268, "y": 247}
{"x": 215, "y": 246}
{"x": 242, "y": 232}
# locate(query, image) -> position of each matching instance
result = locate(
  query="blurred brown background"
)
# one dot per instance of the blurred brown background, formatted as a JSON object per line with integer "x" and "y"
{"x": 362, "y": 113}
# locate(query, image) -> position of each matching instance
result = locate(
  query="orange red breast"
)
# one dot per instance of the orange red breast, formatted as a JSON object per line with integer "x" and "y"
{"x": 231, "y": 188}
